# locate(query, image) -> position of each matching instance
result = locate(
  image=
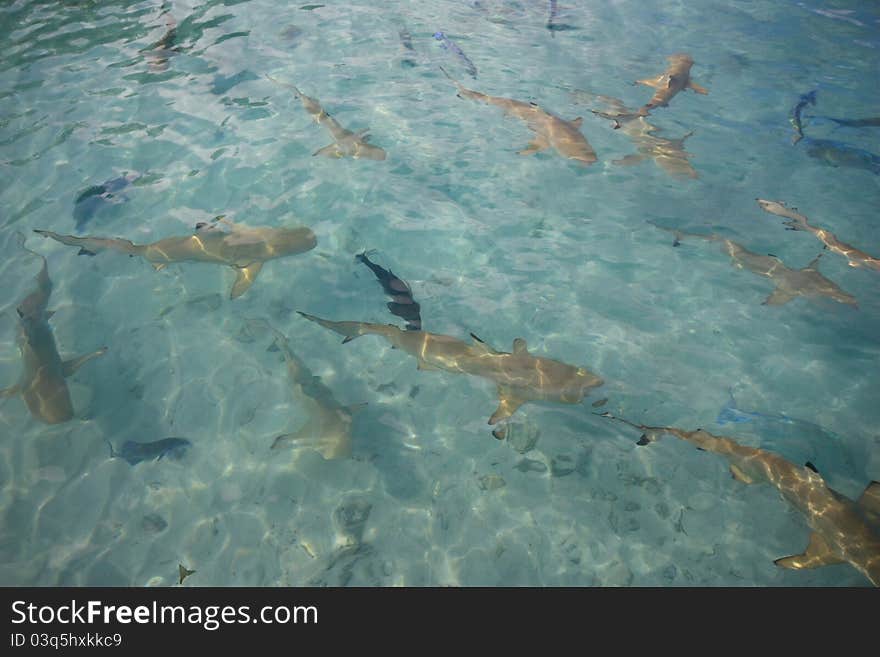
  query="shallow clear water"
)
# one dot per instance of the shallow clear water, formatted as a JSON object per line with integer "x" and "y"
{"x": 491, "y": 242}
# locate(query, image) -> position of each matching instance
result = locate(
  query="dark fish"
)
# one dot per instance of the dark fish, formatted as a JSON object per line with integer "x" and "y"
{"x": 406, "y": 41}
{"x": 552, "y": 25}
{"x": 451, "y": 46}
{"x": 96, "y": 197}
{"x": 403, "y": 305}
{"x": 839, "y": 154}
{"x": 135, "y": 452}
{"x": 795, "y": 118}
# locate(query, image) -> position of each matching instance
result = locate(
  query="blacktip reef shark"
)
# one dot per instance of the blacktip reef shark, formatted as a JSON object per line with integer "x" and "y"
{"x": 42, "y": 384}
{"x": 668, "y": 154}
{"x": 520, "y": 376}
{"x": 550, "y": 130}
{"x": 676, "y": 77}
{"x": 797, "y": 221}
{"x": 244, "y": 248}
{"x": 843, "y": 531}
{"x": 328, "y": 428}
{"x": 345, "y": 142}
{"x": 790, "y": 283}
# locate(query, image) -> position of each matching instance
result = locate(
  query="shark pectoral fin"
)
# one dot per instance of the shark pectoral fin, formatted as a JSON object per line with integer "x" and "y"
{"x": 10, "y": 391}
{"x": 72, "y": 365}
{"x": 509, "y": 403}
{"x": 331, "y": 150}
{"x": 369, "y": 152}
{"x": 629, "y": 160}
{"x": 740, "y": 476}
{"x": 328, "y": 446}
{"x": 657, "y": 83}
{"x": 697, "y": 88}
{"x": 778, "y": 297}
{"x": 520, "y": 346}
{"x": 244, "y": 278}
{"x": 536, "y": 145}
{"x": 818, "y": 553}
{"x": 870, "y": 499}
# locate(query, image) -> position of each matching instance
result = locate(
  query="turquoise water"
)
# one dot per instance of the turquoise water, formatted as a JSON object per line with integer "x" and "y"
{"x": 491, "y": 242}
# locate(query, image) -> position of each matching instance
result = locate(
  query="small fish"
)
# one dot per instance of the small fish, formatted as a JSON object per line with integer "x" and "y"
{"x": 406, "y": 41}
{"x": 402, "y": 303}
{"x": 135, "y": 452}
{"x": 795, "y": 118}
{"x": 183, "y": 572}
{"x": 552, "y": 25}
{"x": 450, "y": 45}
{"x": 97, "y": 197}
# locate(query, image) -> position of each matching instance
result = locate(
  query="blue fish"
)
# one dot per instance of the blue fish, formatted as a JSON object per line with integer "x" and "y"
{"x": 450, "y": 45}
{"x": 135, "y": 452}
{"x": 797, "y": 440}
{"x": 96, "y": 197}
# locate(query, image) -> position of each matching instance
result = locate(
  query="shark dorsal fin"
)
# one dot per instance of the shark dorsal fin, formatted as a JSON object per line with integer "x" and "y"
{"x": 870, "y": 499}
{"x": 520, "y": 346}
{"x": 481, "y": 344}
{"x": 577, "y": 122}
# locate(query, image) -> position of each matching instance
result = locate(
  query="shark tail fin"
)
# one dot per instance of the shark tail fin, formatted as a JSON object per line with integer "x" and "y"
{"x": 350, "y": 330}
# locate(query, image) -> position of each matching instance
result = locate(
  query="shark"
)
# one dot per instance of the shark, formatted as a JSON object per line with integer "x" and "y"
{"x": 42, "y": 383}
{"x": 790, "y": 283}
{"x": 796, "y": 221}
{"x": 328, "y": 429}
{"x": 668, "y": 154}
{"x": 550, "y": 130}
{"x": 345, "y": 142}
{"x": 244, "y": 248}
{"x": 676, "y": 77}
{"x": 520, "y": 376}
{"x": 843, "y": 530}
